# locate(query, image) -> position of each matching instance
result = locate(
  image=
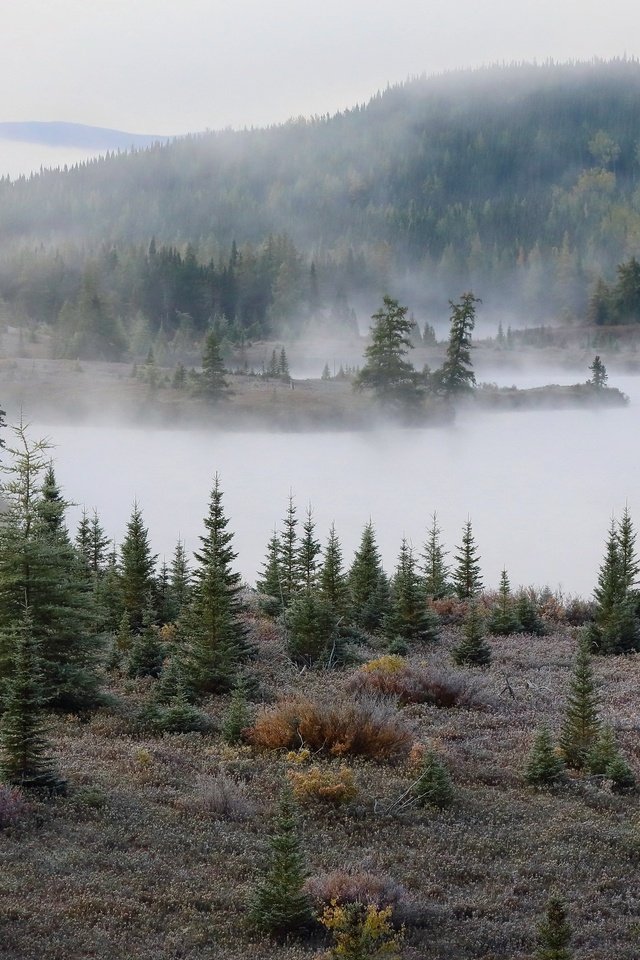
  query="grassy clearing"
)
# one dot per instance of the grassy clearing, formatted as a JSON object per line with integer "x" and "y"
{"x": 160, "y": 841}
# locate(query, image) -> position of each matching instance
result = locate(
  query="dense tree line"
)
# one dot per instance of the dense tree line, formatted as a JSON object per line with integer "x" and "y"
{"x": 520, "y": 180}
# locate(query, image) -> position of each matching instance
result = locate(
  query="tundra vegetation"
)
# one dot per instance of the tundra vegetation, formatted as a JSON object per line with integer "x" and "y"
{"x": 344, "y": 759}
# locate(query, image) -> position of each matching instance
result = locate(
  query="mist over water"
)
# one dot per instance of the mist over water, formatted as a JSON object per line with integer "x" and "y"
{"x": 539, "y": 486}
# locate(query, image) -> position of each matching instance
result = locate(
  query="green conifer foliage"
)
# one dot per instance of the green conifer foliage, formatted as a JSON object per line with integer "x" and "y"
{"x": 473, "y": 650}
{"x": 544, "y": 767}
{"x": 598, "y": 374}
{"x": 212, "y": 621}
{"x": 289, "y": 555}
{"x": 311, "y": 627}
{"x": 368, "y": 584}
{"x": 386, "y": 371}
{"x": 137, "y": 566}
{"x": 456, "y": 378}
{"x": 616, "y": 628}
{"x": 527, "y": 615}
{"x": 147, "y": 651}
{"x": 620, "y": 774}
{"x": 503, "y": 620}
{"x": 582, "y": 725}
{"x": 308, "y": 552}
{"x": 333, "y": 581}
{"x": 24, "y": 747}
{"x": 554, "y": 932}
{"x": 212, "y": 383}
{"x": 467, "y": 578}
{"x": 270, "y": 583}
{"x": 178, "y": 585}
{"x": 238, "y": 716}
{"x": 605, "y": 759}
{"x": 279, "y": 906}
{"x": 434, "y": 787}
{"x": 435, "y": 571}
{"x": 409, "y": 619}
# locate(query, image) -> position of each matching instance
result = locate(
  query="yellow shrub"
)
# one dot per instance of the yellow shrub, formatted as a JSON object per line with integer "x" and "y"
{"x": 361, "y": 931}
{"x": 321, "y": 783}
{"x": 390, "y": 663}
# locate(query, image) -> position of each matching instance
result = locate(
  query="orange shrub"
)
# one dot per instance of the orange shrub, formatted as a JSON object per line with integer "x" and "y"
{"x": 365, "y": 726}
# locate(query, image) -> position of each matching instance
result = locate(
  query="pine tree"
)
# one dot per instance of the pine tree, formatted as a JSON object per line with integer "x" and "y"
{"x": 456, "y": 378}
{"x": 554, "y": 932}
{"x": 387, "y": 372}
{"x": 582, "y": 726}
{"x": 333, "y": 581}
{"x": 289, "y": 555}
{"x": 279, "y": 906}
{"x": 212, "y": 383}
{"x": 434, "y": 785}
{"x": 308, "y": 552}
{"x": 368, "y": 584}
{"x": 137, "y": 569}
{"x": 503, "y": 620}
{"x": 40, "y": 567}
{"x": 409, "y": 618}
{"x": 467, "y": 578}
{"x": 212, "y": 620}
{"x": 435, "y": 570}
{"x": 24, "y": 748}
{"x": 472, "y": 650}
{"x": 544, "y": 767}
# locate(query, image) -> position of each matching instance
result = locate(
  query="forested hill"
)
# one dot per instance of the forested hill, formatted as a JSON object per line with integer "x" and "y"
{"x": 519, "y": 182}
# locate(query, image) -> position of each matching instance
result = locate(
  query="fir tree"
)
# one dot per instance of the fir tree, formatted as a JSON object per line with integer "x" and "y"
{"x": 581, "y": 726}
{"x": 308, "y": 552}
{"x": 212, "y": 383}
{"x": 434, "y": 785}
{"x": 98, "y": 543}
{"x": 544, "y": 767}
{"x": 627, "y": 556}
{"x": 147, "y": 651}
{"x": 289, "y": 555}
{"x": 466, "y": 576}
{"x": 179, "y": 586}
{"x": 368, "y": 584}
{"x": 598, "y": 374}
{"x": 605, "y": 759}
{"x": 409, "y": 618}
{"x": 554, "y": 932}
{"x": 212, "y": 621}
{"x": 333, "y": 581}
{"x": 616, "y": 628}
{"x": 527, "y": 615}
{"x": 387, "y": 371}
{"x": 435, "y": 570}
{"x": 472, "y": 650}
{"x": 279, "y": 906}
{"x": 24, "y": 748}
{"x": 283, "y": 366}
{"x": 270, "y": 583}
{"x": 83, "y": 543}
{"x": 503, "y": 619}
{"x": 311, "y": 628}
{"x": 137, "y": 569}
{"x": 456, "y": 377}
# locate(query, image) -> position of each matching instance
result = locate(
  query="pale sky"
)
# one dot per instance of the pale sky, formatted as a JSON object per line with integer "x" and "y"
{"x": 173, "y": 66}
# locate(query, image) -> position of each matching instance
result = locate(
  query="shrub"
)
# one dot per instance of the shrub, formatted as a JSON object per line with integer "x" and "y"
{"x": 544, "y": 767}
{"x": 434, "y": 785}
{"x": 392, "y": 676}
{"x": 361, "y": 931}
{"x": 221, "y": 798}
{"x": 13, "y": 805}
{"x": 361, "y": 886}
{"x": 179, "y": 716}
{"x": 554, "y": 932}
{"x": 237, "y": 717}
{"x": 310, "y": 629}
{"x": 334, "y": 787}
{"x": 365, "y": 726}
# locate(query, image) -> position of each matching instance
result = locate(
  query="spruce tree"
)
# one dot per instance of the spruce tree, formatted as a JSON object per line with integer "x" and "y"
{"x": 24, "y": 747}
{"x": 147, "y": 651}
{"x": 409, "y": 618}
{"x": 616, "y": 628}
{"x": 308, "y": 552}
{"x": 270, "y": 583}
{"x": 605, "y": 759}
{"x": 467, "y": 577}
{"x": 137, "y": 567}
{"x": 237, "y": 717}
{"x": 528, "y": 617}
{"x": 311, "y": 628}
{"x": 435, "y": 571}
{"x": 554, "y": 932}
{"x": 627, "y": 556}
{"x": 212, "y": 621}
{"x": 473, "y": 650}
{"x": 368, "y": 584}
{"x": 179, "y": 583}
{"x": 212, "y": 383}
{"x": 456, "y": 378}
{"x": 386, "y": 371}
{"x": 544, "y": 767}
{"x": 279, "y": 906}
{"x": 503, "y": 620}
{"x": 289, "y": 555}
{"x": 598, "y": 374}
{"x": 333, "y": 581}
{"x": 434, "y": 786}
{"x": 582, "y": 725}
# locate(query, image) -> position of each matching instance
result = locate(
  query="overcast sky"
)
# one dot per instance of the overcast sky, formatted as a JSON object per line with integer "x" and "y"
{"x": 172, "y": 66}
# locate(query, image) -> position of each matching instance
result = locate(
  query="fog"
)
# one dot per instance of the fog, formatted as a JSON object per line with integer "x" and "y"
{"x": 539, "y": 486}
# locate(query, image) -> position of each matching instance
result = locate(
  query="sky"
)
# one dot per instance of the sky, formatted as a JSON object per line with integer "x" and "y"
{"x": 168, "y": 67}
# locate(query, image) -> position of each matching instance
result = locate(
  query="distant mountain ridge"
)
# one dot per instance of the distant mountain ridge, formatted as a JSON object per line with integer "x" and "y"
{"x": 62, "y": 134}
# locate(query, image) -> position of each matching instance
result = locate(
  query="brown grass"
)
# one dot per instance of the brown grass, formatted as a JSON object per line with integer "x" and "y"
{"x": 412, "y": 683}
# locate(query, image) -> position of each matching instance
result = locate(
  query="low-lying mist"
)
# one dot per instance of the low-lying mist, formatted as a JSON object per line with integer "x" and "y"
{"x": 539, "y": 486}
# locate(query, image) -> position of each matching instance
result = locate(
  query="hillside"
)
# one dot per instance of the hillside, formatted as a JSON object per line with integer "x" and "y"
{"x": 518, "y": 182}
{"x": 58, "y": 134}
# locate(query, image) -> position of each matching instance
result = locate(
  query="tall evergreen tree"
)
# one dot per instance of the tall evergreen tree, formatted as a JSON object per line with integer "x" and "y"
{"x": 581, "y": 725}
{"x": 456, "y": 378}
{"x": 270, "y": 583}
{"x": 333, "y": 581}
{"x": 308, "y": 552}
{"x": 179, "y": 583}
{"x": 386, "y": 371}
{"x": 212, "y": 383}
{"x": 503, "y": 620}
{"x": 279, "y": 906}
{"x": 137, "y": 569}
{"x": 434, "y": 568}
{"x": 598, "y": 374}
{"x": 368, "y": 583}
{"x": 467, "y": 577}
{"x": 212, "y": 621}
{"x": 554, "y": 932}
{"x": 544, "y": 767}
{"x": 473, "y": 650}
{"x": 289, "y": 554}
{"x": 616, "y": 628}
{"x": 409, "y": 618}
